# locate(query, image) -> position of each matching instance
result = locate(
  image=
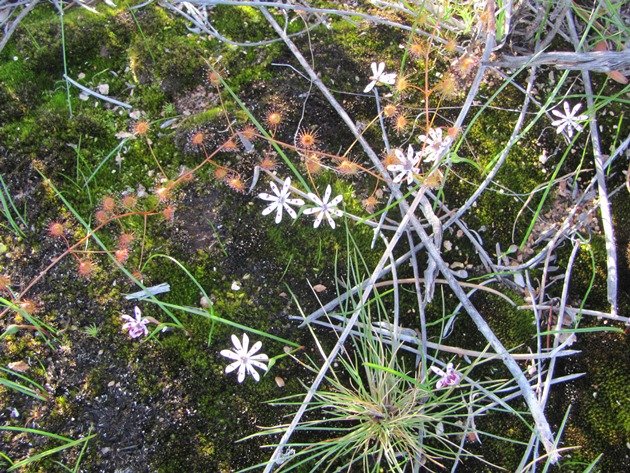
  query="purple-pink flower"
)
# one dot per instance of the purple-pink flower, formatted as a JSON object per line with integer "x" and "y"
{"x": 136, "y": 327}
{"x": 450, "y": 378}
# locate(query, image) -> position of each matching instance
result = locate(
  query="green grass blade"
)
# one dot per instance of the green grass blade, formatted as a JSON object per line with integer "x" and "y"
{"x": 216, "y": 318}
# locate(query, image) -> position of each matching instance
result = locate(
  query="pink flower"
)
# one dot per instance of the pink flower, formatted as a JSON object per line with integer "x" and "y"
{"x": 136, "y": 327}
{"x": 450, "y": 378}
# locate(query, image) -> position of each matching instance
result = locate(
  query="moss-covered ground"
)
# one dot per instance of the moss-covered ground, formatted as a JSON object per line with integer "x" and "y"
{"x": 164, "y": 404}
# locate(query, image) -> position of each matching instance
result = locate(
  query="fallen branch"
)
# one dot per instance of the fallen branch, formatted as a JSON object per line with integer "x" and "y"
{"x": 410, "y": 336}
{"x": 597, "y": 61}
{"x": 604, "y": 203}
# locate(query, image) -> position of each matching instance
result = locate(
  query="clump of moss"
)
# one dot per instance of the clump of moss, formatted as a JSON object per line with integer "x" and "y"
{"x": 497, "y": 209}
{"x": 599, "y": 423}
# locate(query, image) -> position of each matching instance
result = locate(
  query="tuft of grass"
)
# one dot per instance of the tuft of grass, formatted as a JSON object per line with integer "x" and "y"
{"x": 10, "y": 212}
{"x": 66, "y": 443}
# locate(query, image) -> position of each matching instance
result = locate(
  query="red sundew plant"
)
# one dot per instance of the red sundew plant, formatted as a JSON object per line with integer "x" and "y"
{"x": 85, "y": 264}
{"x": 56, "y": 230}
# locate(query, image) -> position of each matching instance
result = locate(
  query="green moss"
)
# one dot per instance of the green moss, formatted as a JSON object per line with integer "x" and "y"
{"x": 496, "y": 450}
{"x": 582, "y": 273}
{"x": 498, "y": 207}
{"x": 176, "y": 65}
{"x": 513, "y": 327}
{"x": 62, "y": 405}
{"x": 151, "y": 99}
{"x": 203, "y": 118}
{"x": 369, "y": 43}
{"x": 96, "y": 382}
{"x": 600, "y": 424}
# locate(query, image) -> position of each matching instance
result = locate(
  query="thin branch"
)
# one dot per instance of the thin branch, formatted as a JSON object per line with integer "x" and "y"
{"x": 410, "y": 337}
{"x": 325, "y": 11}
{"x": 604, "y": 204}
{"x": 96, "y": 94}
{"x": 11, "y": 29}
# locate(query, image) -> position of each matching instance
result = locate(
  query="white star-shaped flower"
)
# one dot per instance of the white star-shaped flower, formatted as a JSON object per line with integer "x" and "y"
{"x": 245, "y": 360}
{"x": 379, "y": 76}
{"x": 408, "y": 166}
{"x": 136, "y": 327}
{"x": 569, "y": 120}
{"x": 324, "y": 207}
{"x": 281, "y": 200}
{"x": 434, "y": 144}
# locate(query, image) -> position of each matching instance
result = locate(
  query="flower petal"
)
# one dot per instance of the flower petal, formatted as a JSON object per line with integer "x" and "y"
{"x": 274, "y": 188}
{"x": 561, "y": 128}
{"x": 318, "y": 219}
{"x": 245, "y": 342}
{"x": 259, "y": 365}
{"x": 327, "y": 193}
{"x": 336, "y": 201}
{"x": 290, "y": 211}
{"x": 410, "y": 153}
{"x": 278, "y": 218}
{"x": 230, "y": 354}
{"x": 241, "y": 373}
{"x": 259, "y": 358}
{"x": 558, "y": 114}
{"x": 254, "y": 373}
{"x": 270, "y": 209}
{"x": 389, "y": 79}
{"x": 286, "y": 186}
{"x": 313, "y": 198}
{"x": 576, "y": 109}
{"x": 336, "y": 212}
{"x": 237, "y": 343}
{"x": 558, "y": 122}
{"x": 331, "y": 222}
{"x": 265, "y": 196}
{"x": 232, "y": 366}
{"x": 255, "y": 347}
{"x": 567, "y": 111}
